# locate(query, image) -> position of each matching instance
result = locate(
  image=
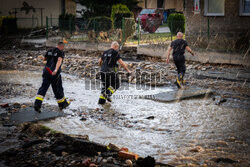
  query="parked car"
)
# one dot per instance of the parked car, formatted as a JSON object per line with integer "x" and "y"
{"x": 150, "y": 19}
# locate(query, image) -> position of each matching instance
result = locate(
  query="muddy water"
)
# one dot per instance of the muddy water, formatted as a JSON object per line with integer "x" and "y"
{"x": 185, "y": 132}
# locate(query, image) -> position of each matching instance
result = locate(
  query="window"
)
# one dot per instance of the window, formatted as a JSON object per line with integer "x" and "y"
{"x": 160, "y": 3}
{"x": 214, "y": 7}
{"x": 244, "y": 7}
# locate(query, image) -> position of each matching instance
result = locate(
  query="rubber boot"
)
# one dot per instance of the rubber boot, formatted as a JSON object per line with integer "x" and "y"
{"x": 63, "y": 103}
{"x": 178, "y": 81}
{"x": 102, "y": 99}
{"x": 38, "y": 103}
{"x": 110, "y": 92}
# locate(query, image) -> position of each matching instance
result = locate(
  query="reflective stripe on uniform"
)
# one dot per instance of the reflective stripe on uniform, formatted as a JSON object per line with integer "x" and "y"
{"x": 178, "y": 81}
{"x": 60, "y": 100}
{"x": 39, "y": 97}
{"x": 111, "y": 89}
{"x": 102, "y": 97}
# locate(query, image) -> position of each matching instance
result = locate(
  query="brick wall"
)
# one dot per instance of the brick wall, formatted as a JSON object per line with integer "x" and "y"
{"x": 230, "y": 32}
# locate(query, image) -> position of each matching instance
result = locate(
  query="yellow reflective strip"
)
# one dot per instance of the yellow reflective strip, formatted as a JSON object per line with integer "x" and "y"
{"x": 178, "y": 81}
{"x": 61, "y": 100}
{"x": 111, "y": 90}
{"x": 102, "y": 97}
{"x": 39, "y": 98}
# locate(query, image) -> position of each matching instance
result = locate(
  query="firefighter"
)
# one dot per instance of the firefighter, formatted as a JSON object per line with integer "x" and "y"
{"x": 179, "y": 46}
{"x": 108, "y": 72}
{"x": 52, "y": 76}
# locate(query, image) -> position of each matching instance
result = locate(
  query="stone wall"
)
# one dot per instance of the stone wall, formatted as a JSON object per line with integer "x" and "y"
{"x": 230, "y": 32}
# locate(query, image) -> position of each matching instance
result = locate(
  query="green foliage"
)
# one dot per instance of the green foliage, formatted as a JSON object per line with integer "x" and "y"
{"x": 67, "y": 22}
{"x": 101, "y": 23}
{"x": 176, "y": 23}
{"x": 103, "y": 8}
{"x": 9, "y": 25}
{"x": 119, "y": 11}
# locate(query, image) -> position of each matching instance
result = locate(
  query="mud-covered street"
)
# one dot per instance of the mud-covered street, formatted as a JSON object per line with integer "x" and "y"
{"x": 211, "y": 131}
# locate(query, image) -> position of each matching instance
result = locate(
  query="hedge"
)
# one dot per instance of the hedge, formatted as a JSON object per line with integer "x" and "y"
{"x": 118, "y": 12}
{"x": 100, "y": 23}
{"x": 176, "y": 23}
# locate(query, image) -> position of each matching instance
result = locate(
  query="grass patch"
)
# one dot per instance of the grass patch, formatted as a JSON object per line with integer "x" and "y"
{"x": 164, "y": 25}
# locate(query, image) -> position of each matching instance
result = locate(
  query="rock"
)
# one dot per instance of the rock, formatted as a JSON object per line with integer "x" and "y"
{"x": 104, "y": 161}
{"x": 124, "y": 149}
{"x": 16, "y": 105}
{"x": 5, "y": 105}
{"x": 196, "y": 149}
{"x": 40, "y": 57}
{"x": 113, "y": 147}
{"x": 23, "y": 106}
{"x": 88, "y": 66}
{"x": 7, "y": 124}
{"x": 99, "y": 160}
{"x": 86, "y": 162}
{"x": 127, "y": 155}
{"x": 110, "y": 159}
{"x": 64, "y": 154}
{"x": 59, "y": 149}
{"x": 203, "y": 69}
{"x": 221, "y": 143}
{"x": 33, "y": 142}
{"x": 83, "y": 119}
{"x": 146, "y": 162}
{"x": 224, "y": 160}
{"x": 219, "y": 100}
{"x": 129, "y": 163}
{"x": 150, "y": 117}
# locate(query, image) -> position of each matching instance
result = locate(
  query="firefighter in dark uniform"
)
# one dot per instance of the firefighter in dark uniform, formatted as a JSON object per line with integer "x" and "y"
{"x": 179, "y": 46}
{"x": 108, "y": 72}
{"x": 51, "y": 76}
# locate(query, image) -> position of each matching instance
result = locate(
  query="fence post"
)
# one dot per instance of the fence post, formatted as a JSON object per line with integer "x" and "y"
{"x": 139, "y": 32}
{"x": 171, "y": 29}
{"x": 51, "y": 20}
{"x": 208, "y": 28}
{"x": 70, "y": 28}
{"x": 123, "y": 30}
{"x": 47, "y": 27}
{"x": 32, "y": 21}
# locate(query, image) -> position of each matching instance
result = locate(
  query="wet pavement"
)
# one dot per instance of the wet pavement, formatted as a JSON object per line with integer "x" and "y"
{"x": 194, "y": 131}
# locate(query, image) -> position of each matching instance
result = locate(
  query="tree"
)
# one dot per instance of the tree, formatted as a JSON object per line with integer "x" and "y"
{"x": 103, "y": 8}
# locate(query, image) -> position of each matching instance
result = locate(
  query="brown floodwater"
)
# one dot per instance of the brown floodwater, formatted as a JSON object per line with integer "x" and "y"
{"x": 192, "y": 132}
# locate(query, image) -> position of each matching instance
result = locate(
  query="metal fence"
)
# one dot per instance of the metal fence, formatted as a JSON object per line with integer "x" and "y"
{"x": 26, "y": 23}
{"x": 129, "y": 31}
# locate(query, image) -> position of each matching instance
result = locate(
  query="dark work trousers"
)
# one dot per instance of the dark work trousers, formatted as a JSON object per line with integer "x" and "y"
{"x": 179, "y": 61}
{"x": 56, "y": 83}
{"x": 110, "y": 82}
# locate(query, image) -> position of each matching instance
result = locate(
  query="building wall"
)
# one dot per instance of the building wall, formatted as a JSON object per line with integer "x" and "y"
{"x": 174, "y": 4}
{"x": 168, "y": 4}
{"x": 229, "y": 32}
{"x": 52, "y": 8}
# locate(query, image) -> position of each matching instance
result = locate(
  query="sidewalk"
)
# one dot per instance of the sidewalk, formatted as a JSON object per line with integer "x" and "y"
{"x": 200, "y": 55}
{"x": 159, "y": 50}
